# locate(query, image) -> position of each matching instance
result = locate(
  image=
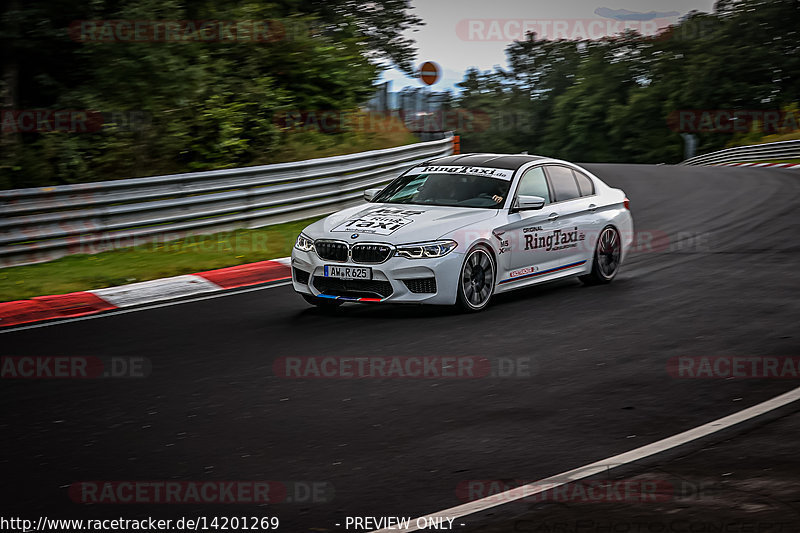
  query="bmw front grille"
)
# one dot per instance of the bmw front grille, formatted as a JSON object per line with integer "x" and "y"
{"x": 370, "y": 253}
{"x": 332, "y": 250}
{"x": 365, "y": 253}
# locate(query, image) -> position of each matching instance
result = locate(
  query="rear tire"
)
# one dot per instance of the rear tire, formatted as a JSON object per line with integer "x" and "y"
{"x": 476, "y": 280}
{"x": 606, "y": 260}
{"x": 323, "y": 303}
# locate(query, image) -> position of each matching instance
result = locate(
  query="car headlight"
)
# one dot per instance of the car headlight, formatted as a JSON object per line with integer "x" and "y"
{"x": 303, "y": 243}
{"x": 424, "y": 250}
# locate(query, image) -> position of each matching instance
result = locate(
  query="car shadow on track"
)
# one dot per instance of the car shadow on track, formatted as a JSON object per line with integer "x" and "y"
{"x": 500, "y": 303}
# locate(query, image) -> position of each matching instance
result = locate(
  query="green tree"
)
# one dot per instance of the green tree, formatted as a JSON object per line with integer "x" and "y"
{"x": 208, "y": 104}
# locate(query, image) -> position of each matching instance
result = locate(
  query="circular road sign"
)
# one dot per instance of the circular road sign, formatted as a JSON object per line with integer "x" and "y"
{"x": 429, "y": 72}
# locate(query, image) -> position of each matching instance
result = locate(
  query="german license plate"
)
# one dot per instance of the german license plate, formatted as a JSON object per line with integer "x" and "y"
{"x": 347, "y": 272}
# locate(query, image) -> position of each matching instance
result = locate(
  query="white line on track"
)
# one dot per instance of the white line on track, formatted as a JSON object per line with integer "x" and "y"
{"x": 230, "y": 292}
{"x": 604, "y": 465}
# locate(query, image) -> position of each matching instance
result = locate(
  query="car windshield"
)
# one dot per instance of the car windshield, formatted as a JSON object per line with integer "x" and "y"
{"x": 445, "y": 189}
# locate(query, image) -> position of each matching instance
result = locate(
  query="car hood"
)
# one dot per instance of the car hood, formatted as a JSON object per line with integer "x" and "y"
{"x": 396, "y": 224}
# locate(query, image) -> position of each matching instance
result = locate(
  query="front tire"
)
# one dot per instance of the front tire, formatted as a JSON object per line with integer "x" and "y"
{"x": 476, "y": 280}
{"x": 323, "y": 303}
{"x": 606, "y": 260}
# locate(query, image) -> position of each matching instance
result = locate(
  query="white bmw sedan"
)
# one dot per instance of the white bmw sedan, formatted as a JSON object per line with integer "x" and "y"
{"x": 458, "y": 229}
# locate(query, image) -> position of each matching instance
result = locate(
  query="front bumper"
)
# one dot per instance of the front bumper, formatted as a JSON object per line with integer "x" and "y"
{"x": 389, "y": 277}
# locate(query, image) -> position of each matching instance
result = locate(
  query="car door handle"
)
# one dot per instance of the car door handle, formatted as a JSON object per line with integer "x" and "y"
{"x": 552, "y": 217}
{"x": 592, "y": 208}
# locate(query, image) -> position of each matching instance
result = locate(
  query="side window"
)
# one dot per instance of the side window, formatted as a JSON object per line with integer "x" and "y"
{"x": 533, "y": 183}
{"x": 584, "y": 183}
{"x": 564, "y": 185}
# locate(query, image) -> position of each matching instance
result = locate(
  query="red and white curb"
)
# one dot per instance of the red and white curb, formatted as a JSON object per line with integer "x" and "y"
{"x": 97, "y": 301}
{"x": 759, "y": 165}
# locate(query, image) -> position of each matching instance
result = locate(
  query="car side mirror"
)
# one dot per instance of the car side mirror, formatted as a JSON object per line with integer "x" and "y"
{"x": 527, "y": 203}
{"x": 369, "y": 194}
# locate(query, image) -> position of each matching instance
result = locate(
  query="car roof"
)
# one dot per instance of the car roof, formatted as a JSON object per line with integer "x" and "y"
{"x": 504, "y": 161}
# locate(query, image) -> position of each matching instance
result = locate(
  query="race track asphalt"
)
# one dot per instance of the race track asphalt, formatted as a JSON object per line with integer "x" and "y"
{"x": 720, "y": 280}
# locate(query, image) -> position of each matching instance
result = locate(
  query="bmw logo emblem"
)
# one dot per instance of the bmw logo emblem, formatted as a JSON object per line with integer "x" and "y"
{"x": 354, "y": 236}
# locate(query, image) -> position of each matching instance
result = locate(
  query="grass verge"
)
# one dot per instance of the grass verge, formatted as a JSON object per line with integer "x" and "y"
{"x": 149, "y": 261}
{"x": 757, "y": 137}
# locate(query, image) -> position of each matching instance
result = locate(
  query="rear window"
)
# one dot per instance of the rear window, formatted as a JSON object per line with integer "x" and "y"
{"x": 584, "y": 184}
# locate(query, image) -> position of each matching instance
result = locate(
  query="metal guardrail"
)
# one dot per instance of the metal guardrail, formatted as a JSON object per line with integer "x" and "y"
{"x": 756, "y": 152}
{"x": 45, "y": 223}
